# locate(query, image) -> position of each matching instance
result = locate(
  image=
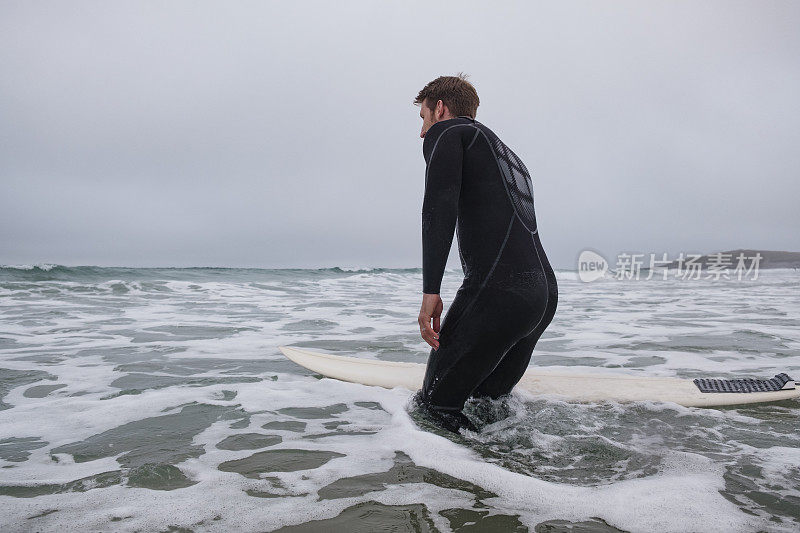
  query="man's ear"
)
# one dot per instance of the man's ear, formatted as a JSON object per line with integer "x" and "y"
{"x": 440, "y": 109}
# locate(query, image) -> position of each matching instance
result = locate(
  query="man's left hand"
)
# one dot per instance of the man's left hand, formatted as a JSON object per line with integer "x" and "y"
{"x": 429, "y": 318}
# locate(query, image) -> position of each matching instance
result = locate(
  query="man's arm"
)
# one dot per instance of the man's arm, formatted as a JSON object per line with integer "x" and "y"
{"x": 440, "y": 207}
{"x": 439, "y": 214}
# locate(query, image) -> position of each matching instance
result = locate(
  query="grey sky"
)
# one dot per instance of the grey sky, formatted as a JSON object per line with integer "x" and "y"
{"x": 282, "y": 134}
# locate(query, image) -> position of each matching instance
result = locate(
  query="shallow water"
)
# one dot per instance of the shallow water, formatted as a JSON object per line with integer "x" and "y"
{"x": 157, "y": 400}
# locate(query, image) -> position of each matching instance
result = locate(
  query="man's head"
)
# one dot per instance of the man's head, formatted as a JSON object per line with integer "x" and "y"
{"x": 444, "y": 98}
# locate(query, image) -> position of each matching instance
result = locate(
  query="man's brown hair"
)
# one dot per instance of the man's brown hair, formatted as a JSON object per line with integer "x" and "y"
{"x": 455, "y": 92}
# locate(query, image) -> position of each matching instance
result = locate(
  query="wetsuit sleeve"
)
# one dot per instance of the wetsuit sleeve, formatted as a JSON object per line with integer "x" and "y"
{"x": 440, "y": 207}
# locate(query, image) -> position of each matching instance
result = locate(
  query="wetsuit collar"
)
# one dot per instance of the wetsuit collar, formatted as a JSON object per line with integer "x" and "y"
{"x": 434, "y": 129}
{"x": 452, "y": 120}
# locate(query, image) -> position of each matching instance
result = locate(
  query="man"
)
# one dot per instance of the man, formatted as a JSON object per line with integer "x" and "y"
{"x": 474, "y": 183}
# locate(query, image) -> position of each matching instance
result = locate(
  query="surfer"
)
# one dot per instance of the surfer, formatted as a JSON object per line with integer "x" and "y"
{"x": 475, "y": 185}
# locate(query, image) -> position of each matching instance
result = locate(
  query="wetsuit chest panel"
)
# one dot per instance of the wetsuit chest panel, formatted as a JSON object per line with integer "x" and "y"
{"x": 515, "y": 177}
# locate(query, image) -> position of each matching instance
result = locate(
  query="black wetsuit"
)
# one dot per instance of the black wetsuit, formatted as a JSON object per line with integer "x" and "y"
{"x": 475, "y": 184}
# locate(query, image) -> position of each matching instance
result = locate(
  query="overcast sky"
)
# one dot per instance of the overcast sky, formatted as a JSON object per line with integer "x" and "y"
{"x": 283, "y": 134}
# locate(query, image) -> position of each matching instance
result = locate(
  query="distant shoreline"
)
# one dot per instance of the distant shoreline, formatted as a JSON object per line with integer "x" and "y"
{"x": 769, "y": 259}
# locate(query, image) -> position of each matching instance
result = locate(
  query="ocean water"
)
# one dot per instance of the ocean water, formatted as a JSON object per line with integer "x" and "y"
{"x": 157, "y": 400}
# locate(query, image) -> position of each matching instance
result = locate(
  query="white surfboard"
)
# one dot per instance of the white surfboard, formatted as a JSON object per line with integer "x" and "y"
{"x": 581, "y": 384}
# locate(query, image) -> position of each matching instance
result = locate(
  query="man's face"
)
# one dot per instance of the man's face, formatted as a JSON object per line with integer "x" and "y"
{"x": 428, "y": 117}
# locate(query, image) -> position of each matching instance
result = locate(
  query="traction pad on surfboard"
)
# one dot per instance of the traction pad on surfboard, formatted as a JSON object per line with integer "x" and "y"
{"x": 779, "y": 382}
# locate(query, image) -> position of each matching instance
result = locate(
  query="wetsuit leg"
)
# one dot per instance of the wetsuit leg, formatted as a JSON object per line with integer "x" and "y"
{"x": 515, "y": 362}
{"x": 480, "y": 327}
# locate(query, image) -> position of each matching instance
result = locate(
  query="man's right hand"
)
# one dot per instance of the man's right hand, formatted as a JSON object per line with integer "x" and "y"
{"x": 429, "y": 318}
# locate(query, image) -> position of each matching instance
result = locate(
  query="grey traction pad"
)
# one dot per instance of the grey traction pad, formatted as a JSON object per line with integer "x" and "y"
{"x": 745, "y": 384}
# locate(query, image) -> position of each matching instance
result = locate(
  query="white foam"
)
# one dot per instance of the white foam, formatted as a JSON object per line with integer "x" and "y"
{"x": 40, "y": 266}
